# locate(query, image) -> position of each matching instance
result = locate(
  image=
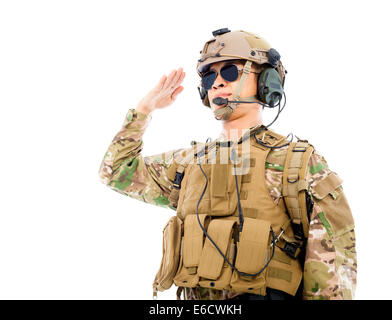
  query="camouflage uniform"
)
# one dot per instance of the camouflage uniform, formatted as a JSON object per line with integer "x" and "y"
{"x": 330, "y": 262}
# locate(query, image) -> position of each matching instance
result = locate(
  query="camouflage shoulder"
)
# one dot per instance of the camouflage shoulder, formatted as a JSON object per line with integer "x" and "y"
{"x": 276, "y": 159}
{"x": 317, "y": 163}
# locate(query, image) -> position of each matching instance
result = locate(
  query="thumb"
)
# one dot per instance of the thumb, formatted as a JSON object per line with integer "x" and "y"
{"x": 176, "y": 92}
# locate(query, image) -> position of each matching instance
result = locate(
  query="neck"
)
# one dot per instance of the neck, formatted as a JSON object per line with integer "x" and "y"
{"x": 233, "y": 127}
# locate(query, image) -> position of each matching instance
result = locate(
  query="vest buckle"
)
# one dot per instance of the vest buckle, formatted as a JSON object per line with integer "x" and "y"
{"x": 298, "y": 231}
{"x": 292, "y": 249}
{"x": 178, "y": 179}
{"x": 299, "y": 149}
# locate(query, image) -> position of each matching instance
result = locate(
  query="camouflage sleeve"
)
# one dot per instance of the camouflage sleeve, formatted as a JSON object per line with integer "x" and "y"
{"x": 330, "y": 270}
{"x": 124, "y": 170}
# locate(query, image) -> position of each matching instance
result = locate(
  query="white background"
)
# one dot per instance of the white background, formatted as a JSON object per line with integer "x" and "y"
{"x": 69, "y": 72}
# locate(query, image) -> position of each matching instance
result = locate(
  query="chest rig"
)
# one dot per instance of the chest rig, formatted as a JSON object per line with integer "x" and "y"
{"x": 233, "y": 235}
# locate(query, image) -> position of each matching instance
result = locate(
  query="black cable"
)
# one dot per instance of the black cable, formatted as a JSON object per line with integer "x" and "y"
{"x": 265, "y": 127}
{"x": 215, "y": 245}
{"x": 240, "y": 214}
{"x": 272, "y": 147}
{"x": 279, "y": 110}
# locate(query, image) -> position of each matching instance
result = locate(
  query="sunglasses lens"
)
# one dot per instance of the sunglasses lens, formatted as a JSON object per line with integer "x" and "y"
{"x": 229, "y": 73}
{"x": 208, "y": 79}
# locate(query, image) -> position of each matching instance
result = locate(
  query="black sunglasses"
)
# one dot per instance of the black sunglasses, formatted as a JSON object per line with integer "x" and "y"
{"x": 228, "y": 72}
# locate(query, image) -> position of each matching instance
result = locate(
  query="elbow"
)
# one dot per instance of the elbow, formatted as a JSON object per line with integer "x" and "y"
{"x": 105, "y": 174}
{"x": 103, "y": 179}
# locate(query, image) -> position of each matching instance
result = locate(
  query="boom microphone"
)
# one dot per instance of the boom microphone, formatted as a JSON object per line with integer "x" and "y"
{"x": 222, "y": 101}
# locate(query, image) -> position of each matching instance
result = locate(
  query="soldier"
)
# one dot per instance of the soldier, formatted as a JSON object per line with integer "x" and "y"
{"x": 258, "y": 215}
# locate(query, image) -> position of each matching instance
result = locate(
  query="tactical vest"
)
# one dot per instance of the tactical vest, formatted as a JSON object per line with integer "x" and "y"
{"x": 208, "y": 200}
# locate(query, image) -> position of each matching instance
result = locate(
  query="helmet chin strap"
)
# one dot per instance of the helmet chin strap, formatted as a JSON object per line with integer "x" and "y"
{"x": 226, "y": 111}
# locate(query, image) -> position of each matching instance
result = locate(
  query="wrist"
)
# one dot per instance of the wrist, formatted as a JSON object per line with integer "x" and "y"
{"x": 143, "y": 109}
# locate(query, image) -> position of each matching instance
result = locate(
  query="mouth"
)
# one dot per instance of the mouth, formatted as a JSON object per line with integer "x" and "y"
{"x": 222, "y": 95}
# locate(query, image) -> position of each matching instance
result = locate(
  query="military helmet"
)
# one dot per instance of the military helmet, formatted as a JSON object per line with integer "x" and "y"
{"x": 232, "y": 45}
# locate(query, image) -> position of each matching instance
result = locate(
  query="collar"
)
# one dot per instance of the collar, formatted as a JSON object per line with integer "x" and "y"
{"x": 221, "y": 141}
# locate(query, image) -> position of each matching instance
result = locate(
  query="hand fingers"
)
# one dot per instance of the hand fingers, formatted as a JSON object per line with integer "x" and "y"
{"x": 161, "y": 82}
{"x": 176, "y": 78}
{"x": 181, "y": 77}
{"x": 168, "y": 82}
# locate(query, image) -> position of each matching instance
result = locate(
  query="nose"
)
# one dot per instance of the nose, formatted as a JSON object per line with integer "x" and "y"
{"x": 219, "y": 82}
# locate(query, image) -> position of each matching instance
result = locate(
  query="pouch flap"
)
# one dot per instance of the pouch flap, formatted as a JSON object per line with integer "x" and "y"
{"x": 211, "y": 261}
{"x": 252, "y": 247}
{"x": 193, "y": 239}
{"x": 219, "y": 175}
{"x": 223, "y": 190}
{"x": 172, "y": 236}
{"x": 326, "y": 186}
{"x": 171, "y": 255}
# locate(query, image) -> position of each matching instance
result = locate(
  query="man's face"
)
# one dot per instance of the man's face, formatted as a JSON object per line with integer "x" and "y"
{"x": 226, "y": 89}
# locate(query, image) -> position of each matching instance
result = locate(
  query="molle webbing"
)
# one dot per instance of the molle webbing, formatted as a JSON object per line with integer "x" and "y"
{"x": 295, "y": 186}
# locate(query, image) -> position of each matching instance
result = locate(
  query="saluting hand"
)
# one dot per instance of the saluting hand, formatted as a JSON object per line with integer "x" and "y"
{"x": 164, "y": 93}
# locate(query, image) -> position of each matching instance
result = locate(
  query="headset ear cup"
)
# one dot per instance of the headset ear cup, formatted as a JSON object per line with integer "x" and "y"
{"x": 269, "y": 86}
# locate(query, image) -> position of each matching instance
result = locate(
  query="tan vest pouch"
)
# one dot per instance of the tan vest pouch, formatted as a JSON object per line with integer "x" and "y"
{"x": 192, "y": 247}
{"x": 213, "y": 270}
{"x": 253, "y": 253}
{"x": 220, "y": 197}
{"x": 171, "y": 255}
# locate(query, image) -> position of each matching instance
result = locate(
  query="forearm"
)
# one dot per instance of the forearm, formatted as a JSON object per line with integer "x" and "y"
{"x": 331, "y": 264}
{"x": 331, "y": 261}
{"x": 126, "y": 144}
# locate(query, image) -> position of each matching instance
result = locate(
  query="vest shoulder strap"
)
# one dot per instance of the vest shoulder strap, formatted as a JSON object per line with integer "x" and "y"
{"x": 178, "y": 176}
{"x": 188, "y": 156}
{"x": 295, "y": 186}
